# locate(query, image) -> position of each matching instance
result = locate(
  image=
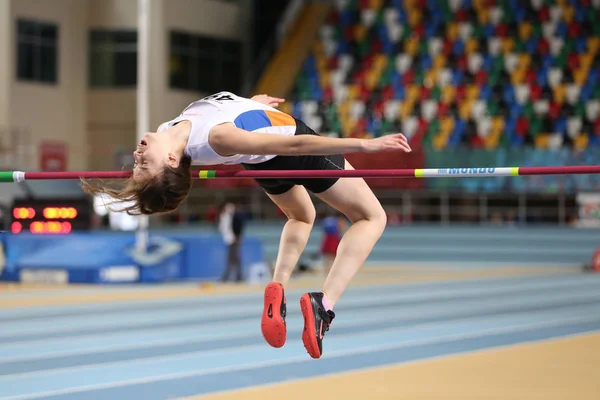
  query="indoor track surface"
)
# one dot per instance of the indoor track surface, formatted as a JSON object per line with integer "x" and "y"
{"x": 399, "y": 333}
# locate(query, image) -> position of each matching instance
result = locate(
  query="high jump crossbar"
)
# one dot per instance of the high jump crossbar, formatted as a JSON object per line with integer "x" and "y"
{"x": 19, "y": 176}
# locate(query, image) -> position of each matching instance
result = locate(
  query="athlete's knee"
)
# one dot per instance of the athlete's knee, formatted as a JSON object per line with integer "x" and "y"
{"x": 378, "y": 217}
{"x": 374, "y": 214}
{"x": 304, "y": 214}
{"x": 308, "y": 216}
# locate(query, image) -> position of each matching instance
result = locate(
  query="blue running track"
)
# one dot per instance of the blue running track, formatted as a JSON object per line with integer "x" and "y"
{"x": 155, "y": 350}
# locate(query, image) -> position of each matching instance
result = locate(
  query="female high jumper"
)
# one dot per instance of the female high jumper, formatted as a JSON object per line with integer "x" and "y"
{"x": 228, "y": 129}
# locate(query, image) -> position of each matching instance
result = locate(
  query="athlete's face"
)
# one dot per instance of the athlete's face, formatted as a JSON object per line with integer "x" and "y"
{"x": 152, "y": 156}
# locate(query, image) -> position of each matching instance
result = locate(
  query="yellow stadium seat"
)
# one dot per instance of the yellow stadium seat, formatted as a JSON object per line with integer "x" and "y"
{"x": 518, "y": 76}
{"x": 524, "y": 60}
{"x": 413, "y": 92}
{"x": 414, "y": 16}
{"x": 406, "y": 109}
{"x": 491, "y": 141}
{"x": 447, "y": 124}
{"x": 360, "y": 31}
{"x": 581, "y": 142}
{"x": 325, "y": 78}
{"x": 498, "y": 125}
{"x": 568, "y": 14}
{"x": 586, "y": 59}
{"x": 580, "y": 75}
{"x": 473, "y": 92}
{"x": 448, "y": 94}
{"x": 508, "y": 44}
{"x": 483, "y": 16}
{"x": 344, "y": 126}
{"x": 452, "y": 31}
{"x": 349, "y": 124}
{"x": 560, "y": 93}
{"x": 375, "y": 4}
{"x": 353, "y": 91}
{"x": 561, "y": 3}
{"x": 440, "y": 141}
{"x": 372, "y": 79}
{"x": 464, "y": 109}
{"x": 409, "y": 4}
{"x": 411, "y": 46}
{"x": 400, "y": 108}
{"x": 439, "y": 61}
{"x": 430, "y": 78}
{"x": 380, "y": 63}
{"x": 479, "y": 5}
{"x": 352, "y": 123}
{"x": 593, "y": 43}
{"x": 542, "y": 140}
{"x": 321, "y": 63}
{"x": 525, "y": 30}
{"x": 344, "y": 109}
{"x": 472, "y": 46}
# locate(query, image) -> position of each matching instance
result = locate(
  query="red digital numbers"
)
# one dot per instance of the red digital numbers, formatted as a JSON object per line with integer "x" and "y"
{"x": 45, "y": 227}
{"x": 60, "y": 213}
{"x": 16, "y": 227}
{"x": 24, "y": 213}
{"x": 52, "y": 220}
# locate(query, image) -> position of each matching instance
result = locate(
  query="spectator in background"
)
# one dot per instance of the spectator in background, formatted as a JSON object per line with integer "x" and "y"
{"x": 334, "y": 226}
{"x": 231, "y": 226}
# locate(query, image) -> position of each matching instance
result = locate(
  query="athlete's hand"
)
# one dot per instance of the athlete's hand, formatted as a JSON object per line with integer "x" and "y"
{"x": 268, "y": 100}
{"x": 387, "y": 143}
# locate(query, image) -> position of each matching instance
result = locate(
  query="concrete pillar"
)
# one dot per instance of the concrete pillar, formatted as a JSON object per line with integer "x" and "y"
{"x": 7, "y": 59}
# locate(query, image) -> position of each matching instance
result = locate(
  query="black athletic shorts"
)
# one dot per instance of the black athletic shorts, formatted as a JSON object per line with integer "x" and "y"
{"x": 315, "y": 185}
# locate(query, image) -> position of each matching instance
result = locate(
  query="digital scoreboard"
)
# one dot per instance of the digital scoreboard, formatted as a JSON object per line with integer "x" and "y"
{"x": 47, "y": 216}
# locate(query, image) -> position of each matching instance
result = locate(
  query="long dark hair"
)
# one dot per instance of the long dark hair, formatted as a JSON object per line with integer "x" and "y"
{"x": 160, "y": 194}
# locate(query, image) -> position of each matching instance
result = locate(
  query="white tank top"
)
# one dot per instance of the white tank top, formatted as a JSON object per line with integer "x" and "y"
{"x": 242, "y": 112}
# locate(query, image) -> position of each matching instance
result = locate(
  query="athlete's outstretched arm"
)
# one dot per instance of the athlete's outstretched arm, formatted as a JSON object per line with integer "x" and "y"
{"x": 226, "y": 139}
{"x": 268, "y": 100}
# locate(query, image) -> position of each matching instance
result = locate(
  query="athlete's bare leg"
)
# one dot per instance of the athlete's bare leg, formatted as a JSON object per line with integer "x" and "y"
{"x": 353, "y": 198}
{"x": 327, "y": 263}
{"x": 298, "y": 207}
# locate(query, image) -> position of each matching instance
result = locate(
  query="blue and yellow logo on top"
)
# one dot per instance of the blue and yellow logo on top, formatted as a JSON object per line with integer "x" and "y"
{"x": 258, "y": 119}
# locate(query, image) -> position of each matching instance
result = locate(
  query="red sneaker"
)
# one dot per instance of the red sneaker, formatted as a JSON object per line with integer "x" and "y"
{"x": 316, "y": 323}
{"x": 273, "y": 317}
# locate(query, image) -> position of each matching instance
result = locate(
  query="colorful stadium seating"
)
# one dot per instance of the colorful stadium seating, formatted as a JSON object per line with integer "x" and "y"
{"x": 481, "y": 73}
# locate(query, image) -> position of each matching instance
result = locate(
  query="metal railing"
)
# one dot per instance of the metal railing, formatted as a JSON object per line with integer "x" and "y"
{"x": 418, "y": 206}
